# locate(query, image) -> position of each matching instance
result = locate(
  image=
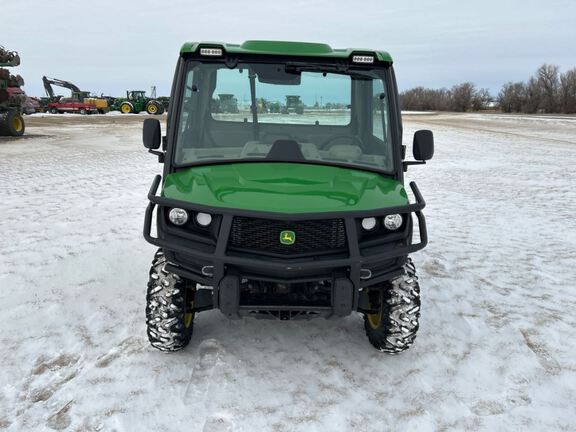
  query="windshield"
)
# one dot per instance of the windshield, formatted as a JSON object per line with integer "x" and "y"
{"x": 284, "y": 112}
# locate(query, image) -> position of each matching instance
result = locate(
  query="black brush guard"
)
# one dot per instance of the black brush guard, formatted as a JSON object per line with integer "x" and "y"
{"x": 224, "y": 271}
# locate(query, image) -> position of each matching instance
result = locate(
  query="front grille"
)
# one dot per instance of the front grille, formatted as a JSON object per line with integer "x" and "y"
{"x": 311, "y": 236}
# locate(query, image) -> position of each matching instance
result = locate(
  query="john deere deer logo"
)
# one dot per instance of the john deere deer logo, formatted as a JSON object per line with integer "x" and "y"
{"x": 287, "y": 237}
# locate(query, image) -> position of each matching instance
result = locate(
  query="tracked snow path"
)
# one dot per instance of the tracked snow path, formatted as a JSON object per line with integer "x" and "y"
{"x": 496, "y": 349}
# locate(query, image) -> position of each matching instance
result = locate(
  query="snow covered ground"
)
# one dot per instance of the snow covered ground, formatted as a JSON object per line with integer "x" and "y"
{"x": 496, "y": 348}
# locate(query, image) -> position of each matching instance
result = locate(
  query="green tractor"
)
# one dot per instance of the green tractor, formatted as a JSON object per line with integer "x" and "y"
{"x": 136, "y": 102}
{"x": 165, "y": 101}
{"x": 284, "y": 217}
{"x": 12, "y": 97}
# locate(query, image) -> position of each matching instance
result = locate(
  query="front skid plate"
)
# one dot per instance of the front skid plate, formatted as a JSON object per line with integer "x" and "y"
{"x": 228, "y": 300}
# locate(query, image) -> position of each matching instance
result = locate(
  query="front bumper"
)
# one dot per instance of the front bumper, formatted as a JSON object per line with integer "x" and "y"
{"x": 223, "y": 270}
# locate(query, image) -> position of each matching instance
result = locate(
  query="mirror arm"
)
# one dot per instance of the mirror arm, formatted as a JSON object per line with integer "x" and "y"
{"x": 160, "y": 155}
{"x": 408, "y": 163}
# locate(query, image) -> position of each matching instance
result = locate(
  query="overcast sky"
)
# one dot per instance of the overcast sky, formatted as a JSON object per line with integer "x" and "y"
{"x": 110, "y": 46}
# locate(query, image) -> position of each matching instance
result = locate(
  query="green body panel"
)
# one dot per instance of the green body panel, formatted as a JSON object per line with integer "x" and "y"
{"x": 284, "y": 188}
{"x": 285, "y": 48}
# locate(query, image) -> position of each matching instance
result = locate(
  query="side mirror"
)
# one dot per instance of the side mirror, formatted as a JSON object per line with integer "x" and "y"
{"x": 423, "y": 145}
{"x": 151, "y": 134}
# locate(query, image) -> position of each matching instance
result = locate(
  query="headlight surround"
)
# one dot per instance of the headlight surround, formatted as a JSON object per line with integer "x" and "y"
{"x": 369, "y": 223}
{"x": 393, "y": 221}
{"x": 203, "y": 219}
{"x": 178, "y": 216}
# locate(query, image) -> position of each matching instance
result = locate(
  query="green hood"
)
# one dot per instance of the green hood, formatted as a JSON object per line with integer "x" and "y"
{"x": 284, "y": 188}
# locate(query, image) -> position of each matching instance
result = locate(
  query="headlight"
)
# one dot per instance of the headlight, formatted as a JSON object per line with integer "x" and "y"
{"x": 204, "y": 219}
{"x": 393, "y": 222}
{"x": 178, "y": 216}
{"x": 369, "y": 223}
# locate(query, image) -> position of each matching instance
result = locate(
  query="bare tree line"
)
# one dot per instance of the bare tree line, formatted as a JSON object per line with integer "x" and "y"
{"x": 547, "y": 91}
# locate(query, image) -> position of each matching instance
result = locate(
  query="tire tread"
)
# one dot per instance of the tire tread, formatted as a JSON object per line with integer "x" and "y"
{"x": 165, "y": 308}
{"x": 400, "y": 321}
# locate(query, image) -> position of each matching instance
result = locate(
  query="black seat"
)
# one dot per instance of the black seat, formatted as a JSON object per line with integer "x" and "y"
{"x": 285, "y": 150}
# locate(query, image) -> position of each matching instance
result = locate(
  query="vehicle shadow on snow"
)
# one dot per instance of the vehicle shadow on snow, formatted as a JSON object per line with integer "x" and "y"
{"x": 262, "y": 347}
{"x": 292, "y": 371}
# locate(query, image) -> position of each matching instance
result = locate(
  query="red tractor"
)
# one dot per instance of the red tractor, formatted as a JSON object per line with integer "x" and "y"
{"x": 11, "y": 95}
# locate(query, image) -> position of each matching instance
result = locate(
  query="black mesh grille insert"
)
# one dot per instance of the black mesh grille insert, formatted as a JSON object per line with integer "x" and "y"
{"x": 311, "y": 236}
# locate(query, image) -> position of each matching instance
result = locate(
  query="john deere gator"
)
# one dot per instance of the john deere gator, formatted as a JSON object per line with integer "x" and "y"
{"x": 283, "y": 216}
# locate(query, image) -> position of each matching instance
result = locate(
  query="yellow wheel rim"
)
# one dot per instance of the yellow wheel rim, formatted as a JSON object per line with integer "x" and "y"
{"x": 375, "y": 319}
{"x": 126, "y": 109}
{"x": 152, "y": 109}
{"x": 189, "y": 317}
{"x": 17, "y": 124}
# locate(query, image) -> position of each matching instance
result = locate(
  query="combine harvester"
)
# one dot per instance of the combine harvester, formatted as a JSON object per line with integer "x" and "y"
{"x": 12, "y": 97}
{"x": 293, "y": 105}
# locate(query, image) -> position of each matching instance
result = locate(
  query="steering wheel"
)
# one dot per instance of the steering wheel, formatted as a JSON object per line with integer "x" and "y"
{"x": 329, "y": 142}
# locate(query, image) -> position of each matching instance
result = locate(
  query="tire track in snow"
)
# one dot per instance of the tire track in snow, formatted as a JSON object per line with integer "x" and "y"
{"x": 548, "y": 362}
{"x": 212, "y": 359}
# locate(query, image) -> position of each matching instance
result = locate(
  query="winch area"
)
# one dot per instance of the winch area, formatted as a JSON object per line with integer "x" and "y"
{"x": 303, "y": 294}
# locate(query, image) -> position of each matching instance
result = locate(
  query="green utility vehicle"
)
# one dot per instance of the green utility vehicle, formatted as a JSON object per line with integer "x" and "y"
{"x": 135, "y": 102}
{"x": 272, "y": 215}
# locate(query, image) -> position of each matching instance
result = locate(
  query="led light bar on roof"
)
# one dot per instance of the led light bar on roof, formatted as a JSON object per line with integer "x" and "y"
{"x": 212, "y": 52}
{"x": 362, "y": 59}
